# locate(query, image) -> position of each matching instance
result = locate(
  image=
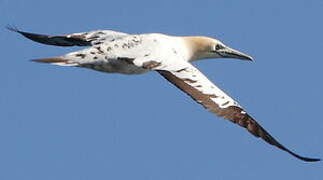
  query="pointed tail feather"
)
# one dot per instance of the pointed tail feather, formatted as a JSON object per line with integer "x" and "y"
{"x": 56, "y": 61}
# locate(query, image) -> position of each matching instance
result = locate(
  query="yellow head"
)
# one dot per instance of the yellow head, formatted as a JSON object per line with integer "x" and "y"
{"x": 205, "y": 47}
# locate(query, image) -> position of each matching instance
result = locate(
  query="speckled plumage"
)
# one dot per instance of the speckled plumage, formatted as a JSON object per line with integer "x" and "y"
{"x": 116, "y": 52}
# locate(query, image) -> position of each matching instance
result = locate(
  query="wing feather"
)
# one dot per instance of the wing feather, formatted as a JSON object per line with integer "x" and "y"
{"x": 203, "y": 91}
{"x": 74, "y": 39}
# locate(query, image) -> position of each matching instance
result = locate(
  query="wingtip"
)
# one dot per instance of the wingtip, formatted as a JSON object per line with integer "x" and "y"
{"x": 12, "y": 28}
{"x": 306, "y": 159}
{"x": 313, "y": 160}
{"x": 309, "y": 159}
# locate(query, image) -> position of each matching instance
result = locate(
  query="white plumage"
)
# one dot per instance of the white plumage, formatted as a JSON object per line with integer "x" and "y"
{"x": 116, "y": 52}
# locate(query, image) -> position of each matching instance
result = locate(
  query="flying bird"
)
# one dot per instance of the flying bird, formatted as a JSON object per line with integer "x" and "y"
{"x": 170, "y": 56}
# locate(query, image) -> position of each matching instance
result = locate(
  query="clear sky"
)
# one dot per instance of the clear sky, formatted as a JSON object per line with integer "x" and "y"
{"x": 76, "y": 124}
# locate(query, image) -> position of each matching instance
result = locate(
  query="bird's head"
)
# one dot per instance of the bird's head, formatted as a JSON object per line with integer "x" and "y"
{"x": 205, "y": 47}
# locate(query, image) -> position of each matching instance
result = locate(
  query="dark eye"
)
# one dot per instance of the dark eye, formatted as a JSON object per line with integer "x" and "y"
{"x": 218, "y": 47}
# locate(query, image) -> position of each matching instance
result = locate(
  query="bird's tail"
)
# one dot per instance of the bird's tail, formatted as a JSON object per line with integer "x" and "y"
{"x": 60, "y": 61}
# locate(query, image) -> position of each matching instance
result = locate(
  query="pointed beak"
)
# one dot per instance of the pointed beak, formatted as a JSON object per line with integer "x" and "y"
{"x": 232, "y": 53}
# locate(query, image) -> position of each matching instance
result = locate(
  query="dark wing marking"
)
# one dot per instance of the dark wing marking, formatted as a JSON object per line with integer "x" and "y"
{"x": 63, "y": 40}
{"x": 75, "y": 39}
{"x": 233, "y": 113}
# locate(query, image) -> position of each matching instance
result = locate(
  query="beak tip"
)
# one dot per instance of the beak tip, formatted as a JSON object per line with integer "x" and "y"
{"x": 250, "y": 59}
{"x": 232, "y": 53}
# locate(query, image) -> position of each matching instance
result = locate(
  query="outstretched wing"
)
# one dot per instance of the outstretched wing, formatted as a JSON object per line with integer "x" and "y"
{"x": 74, "y": 39}
{"x": 197, "y": 86}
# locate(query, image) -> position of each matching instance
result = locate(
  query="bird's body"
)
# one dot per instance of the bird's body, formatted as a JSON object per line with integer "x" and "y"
{"x": 114, "y": 55}
{"x": 170, "y": 56}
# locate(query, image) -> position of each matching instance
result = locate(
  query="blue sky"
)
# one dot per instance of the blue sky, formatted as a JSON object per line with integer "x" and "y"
{"x": 69, "y": 123}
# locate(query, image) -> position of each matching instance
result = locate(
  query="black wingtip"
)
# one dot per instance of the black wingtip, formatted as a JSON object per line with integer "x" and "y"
{"x": 312, "y": 160}
{"x": 306, "y": 158}
{"x": 12, "y": 28}
{"x": 301, "y": 157}
{"x": 309, "y": 159}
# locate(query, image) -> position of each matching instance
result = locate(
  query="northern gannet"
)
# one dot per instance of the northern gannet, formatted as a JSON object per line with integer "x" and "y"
{"x": 170, "y": 56}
